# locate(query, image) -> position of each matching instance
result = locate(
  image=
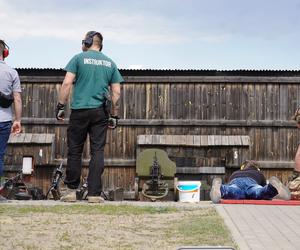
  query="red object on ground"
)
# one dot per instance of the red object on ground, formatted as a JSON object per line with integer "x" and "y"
{"x": 263, "y": 202}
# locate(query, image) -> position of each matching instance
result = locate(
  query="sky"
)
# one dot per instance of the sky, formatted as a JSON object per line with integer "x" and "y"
{"x": 156, "y": 34}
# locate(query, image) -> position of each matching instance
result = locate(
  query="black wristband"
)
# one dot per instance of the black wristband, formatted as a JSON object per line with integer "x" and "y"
{"x": 115, "y": 117}
{"x": 60, "y": 106}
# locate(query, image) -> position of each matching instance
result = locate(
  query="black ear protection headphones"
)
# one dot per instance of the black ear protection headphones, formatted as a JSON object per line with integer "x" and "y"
{"x": 88, "y": 41}
{"x": 6, "y": 49}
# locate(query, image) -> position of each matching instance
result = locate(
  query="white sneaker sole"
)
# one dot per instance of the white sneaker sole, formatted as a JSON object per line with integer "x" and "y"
{"x": 215, "y": 193}
{"x": 283, "y": 192}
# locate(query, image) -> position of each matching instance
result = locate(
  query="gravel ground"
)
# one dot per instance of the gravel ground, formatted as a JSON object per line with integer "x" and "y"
{"x": 59, "y": 225}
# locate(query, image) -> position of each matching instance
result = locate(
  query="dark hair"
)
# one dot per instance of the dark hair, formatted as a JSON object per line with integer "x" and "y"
{"x": 97, "y": 34}
{"x": 250, "y": 164}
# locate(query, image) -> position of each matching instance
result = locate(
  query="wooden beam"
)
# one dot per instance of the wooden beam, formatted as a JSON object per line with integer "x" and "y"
{"x": 200, "y": 170}
{"x": 42, "y": 79}
{"x": 31, "y": 138}
{"x": 283, "y": 165}
{"x": 211, "y": 79}
{"x": 277, "y": 164}
{"x": 174, "y": 122}
{"x": 85, "y": 162}
{"x": 107, "y": 162}
{"x": 181, "y": 140}
{"x": 178, "y": 79}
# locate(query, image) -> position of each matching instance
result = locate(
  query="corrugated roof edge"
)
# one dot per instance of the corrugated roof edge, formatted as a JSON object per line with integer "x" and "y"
{"x": 169, "y": 72}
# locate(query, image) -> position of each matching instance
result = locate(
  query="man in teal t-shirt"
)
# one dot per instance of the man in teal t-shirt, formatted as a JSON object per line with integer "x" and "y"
{"x": 94, "y": 77}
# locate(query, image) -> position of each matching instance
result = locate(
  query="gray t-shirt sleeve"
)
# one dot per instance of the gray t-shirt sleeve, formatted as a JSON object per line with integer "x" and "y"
{"x": 16, "y": 84}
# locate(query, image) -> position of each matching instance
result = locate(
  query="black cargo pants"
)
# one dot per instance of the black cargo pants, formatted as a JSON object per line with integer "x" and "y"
{"x": 83, "y": 122}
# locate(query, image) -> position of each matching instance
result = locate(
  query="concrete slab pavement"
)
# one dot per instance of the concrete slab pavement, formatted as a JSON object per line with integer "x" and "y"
{"x": 263, "y": 226}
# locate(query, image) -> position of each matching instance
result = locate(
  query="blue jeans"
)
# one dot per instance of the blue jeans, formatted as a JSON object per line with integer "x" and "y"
{"x": 4, "y": 135}
{"x": 247, "y": 188}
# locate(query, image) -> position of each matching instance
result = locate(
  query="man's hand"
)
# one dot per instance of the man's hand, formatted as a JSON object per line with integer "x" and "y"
{"x": 113, "y": 121}
{"x": 16, "y": 128}
{"x": 60, "y": 112}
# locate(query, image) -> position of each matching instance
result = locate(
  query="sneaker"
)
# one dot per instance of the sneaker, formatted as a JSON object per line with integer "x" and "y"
{"x": 215, "y": 192}
{"x": 95, "y": 199}
{"x": 283, "y": 191}
{"x": 69, "y": 195}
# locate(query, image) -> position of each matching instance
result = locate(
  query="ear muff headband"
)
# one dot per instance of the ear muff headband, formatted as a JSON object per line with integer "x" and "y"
{"x": 6, "y": 50}
{"x": 88, "y": 41}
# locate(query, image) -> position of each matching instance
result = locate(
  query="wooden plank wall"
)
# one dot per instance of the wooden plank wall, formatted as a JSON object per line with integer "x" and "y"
{"x": 260, "y": 110}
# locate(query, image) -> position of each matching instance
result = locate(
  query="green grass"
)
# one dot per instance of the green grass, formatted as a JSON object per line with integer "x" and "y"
{"x": 84, "y": 209}
{"x": 66, "y": 237}
{"x": 207, "y": 229}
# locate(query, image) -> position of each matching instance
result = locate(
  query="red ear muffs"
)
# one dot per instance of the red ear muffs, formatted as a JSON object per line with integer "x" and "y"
{"x": 5, "y": 53}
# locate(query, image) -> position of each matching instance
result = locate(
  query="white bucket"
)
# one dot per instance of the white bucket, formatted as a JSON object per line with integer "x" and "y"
{"x": 189, "y": 191}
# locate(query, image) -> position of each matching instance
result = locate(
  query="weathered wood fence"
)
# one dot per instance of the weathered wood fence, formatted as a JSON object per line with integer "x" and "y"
{"x": 255, "y": 104}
